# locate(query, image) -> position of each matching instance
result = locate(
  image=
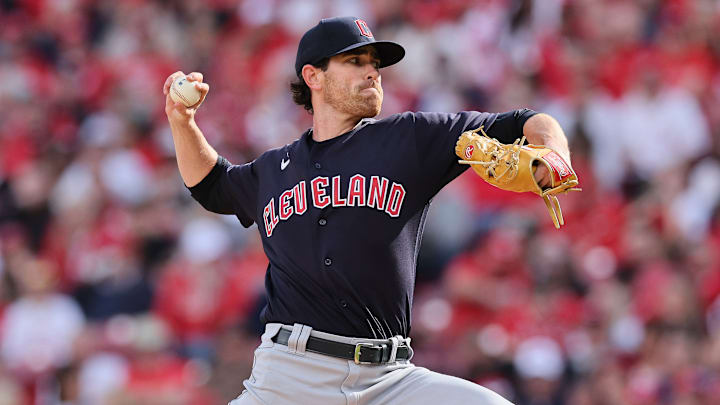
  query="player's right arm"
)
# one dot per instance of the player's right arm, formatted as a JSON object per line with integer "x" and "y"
{"x": 195, "y": 156}
{"x": 215, "y": 183}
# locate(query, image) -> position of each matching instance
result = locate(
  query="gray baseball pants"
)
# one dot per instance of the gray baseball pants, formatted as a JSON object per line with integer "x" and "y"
{"x": 290, "y": 375}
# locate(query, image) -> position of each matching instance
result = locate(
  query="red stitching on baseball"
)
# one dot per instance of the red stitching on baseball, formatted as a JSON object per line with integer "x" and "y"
{"x": 175, "y": 90}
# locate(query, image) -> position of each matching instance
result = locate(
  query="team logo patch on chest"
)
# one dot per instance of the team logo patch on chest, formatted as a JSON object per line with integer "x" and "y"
{"x": 377, "y": 192}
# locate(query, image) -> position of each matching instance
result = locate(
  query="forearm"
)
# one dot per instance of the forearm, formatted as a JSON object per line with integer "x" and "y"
{"x": 542, "y": 129}
{"x": 194, "y": 154}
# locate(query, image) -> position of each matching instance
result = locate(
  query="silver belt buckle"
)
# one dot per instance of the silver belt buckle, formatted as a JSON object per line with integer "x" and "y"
{"x": 358, "y": 348}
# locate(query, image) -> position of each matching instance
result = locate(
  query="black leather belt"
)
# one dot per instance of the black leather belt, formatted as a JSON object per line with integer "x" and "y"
{"x": 361, "y": 353}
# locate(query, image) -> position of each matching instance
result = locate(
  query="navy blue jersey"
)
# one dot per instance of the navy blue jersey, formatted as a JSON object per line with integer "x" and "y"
{"x": 341, "y": 220}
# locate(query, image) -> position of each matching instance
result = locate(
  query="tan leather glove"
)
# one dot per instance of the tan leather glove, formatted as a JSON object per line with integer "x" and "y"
{"x": 512, "y": 167}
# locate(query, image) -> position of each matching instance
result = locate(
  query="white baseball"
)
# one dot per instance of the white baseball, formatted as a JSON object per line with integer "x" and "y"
{"x": 184, "y": 92}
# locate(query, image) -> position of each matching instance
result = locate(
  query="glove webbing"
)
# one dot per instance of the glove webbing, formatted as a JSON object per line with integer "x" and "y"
{"x": 512, "y": 161}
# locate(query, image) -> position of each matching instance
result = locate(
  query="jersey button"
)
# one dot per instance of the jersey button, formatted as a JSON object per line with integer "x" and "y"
{"x": 322, "y": 222}
{"x": 343, "y": 303}
{"x": 328, "y": 261}
{"x": 318, "y": 166}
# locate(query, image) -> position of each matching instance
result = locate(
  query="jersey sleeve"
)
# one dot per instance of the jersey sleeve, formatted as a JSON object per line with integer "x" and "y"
{"x": 437, "y": 133}
{"x": 229, "y": 189}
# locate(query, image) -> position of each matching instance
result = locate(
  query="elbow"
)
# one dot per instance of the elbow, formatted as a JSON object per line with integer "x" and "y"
{"x": 542, "y": 129}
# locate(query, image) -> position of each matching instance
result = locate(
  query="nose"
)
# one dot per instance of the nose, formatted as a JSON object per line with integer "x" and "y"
{"x": 373, "y": 73}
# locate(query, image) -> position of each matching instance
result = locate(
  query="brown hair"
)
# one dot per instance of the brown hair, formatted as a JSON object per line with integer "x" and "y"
{"x": 301, "y": 92}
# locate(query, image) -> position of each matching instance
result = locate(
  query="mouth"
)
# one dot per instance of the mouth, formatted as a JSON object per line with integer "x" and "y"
{"x": 370, "y": 84}
{"x": 370, "y": 89}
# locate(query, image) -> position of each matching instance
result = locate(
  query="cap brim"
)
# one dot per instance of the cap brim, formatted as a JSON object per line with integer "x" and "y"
{"x": 389, "y": 52}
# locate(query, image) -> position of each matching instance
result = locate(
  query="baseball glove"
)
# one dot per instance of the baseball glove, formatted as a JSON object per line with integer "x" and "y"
{"x": 512, "y": 167}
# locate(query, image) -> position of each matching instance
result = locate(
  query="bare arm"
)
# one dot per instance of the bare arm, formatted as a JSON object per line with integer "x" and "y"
{"x": 542, "y": 129}
{"x": 194, "y": 154}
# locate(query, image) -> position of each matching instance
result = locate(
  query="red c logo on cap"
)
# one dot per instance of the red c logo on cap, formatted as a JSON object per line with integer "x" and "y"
{"x": 364, "y": 29}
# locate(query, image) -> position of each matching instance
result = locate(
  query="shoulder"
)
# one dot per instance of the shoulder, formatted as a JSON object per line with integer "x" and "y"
{"x": 410, "y": 122}
{"x": 399, "y": 119}
{"x": 396, "y": 127}
{"x": 430, "y": 118}
{"x": 277, "y": 153}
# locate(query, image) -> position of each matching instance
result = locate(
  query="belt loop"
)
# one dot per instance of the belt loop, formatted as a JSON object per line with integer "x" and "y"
{"x": 303, "y": 338}
{"x": 271, "y": 329}
{"x": 393, "y": 350}
{"x": 411, "y": 352}
{"x": 294, "y": 336}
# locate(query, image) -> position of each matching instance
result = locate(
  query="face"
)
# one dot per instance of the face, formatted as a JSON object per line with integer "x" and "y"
{"x": 352, "y": 83}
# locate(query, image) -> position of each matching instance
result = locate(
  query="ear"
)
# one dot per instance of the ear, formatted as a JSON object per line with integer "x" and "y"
{"x": 312, "y": 76}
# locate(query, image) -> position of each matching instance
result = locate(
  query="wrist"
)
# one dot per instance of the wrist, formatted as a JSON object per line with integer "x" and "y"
{"x": 184, "y": 122}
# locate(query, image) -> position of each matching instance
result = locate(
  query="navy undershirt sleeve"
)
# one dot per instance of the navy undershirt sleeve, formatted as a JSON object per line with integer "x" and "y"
{"x": 437, "y": 133}
{"x": 229, "y": 189}
{"x": 508, "y": 126}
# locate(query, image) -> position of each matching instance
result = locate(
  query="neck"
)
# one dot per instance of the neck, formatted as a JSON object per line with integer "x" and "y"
{"x": 329, "y": 123}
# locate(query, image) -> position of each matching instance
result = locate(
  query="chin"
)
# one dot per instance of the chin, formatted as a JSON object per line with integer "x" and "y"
{"x": 371, "y": 111}
{"x": 374, "y": 106}
{"x": 370, "y": 114}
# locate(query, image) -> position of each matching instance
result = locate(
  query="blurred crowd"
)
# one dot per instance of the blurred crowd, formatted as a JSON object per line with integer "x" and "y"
{"x": 117, "y": 288}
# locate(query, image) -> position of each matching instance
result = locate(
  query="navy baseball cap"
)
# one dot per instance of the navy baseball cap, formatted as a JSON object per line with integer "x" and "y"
{"x": 332, "y": 36}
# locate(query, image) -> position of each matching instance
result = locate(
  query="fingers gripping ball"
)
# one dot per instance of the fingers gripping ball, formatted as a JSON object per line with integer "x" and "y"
{"x": 184, "y": 92}
{"x": 512, "y": 167}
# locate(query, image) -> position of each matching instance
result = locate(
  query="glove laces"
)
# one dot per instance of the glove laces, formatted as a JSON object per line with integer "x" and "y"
{"x": 510, "y": 156}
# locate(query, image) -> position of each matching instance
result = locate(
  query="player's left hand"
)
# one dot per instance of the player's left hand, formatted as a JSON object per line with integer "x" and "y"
{"x": 517, "y": 168}
{"x": 542, "y": 177}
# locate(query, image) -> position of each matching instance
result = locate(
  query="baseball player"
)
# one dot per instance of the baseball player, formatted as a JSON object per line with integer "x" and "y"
{"x": 341, "y": 213}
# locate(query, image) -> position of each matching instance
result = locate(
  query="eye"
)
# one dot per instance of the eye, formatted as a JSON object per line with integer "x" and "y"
{"x": 354, "y": 61}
